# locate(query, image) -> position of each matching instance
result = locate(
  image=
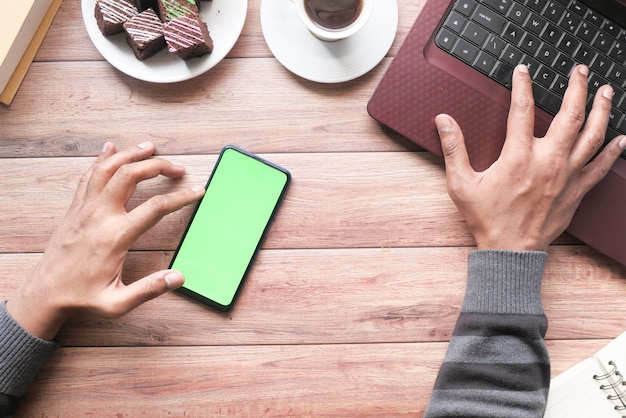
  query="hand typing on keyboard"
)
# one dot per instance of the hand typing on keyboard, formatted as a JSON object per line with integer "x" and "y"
{"x": 528, "y": 196}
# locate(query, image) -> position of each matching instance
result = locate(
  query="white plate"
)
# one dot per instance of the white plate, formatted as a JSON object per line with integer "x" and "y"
{"x": 224, "y": 19}
{"x": 327, "y": 62}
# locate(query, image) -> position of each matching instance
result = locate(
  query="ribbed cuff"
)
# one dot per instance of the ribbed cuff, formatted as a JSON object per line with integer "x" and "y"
{"x": 504, "y": 282}
{"x": 21, "y": 355}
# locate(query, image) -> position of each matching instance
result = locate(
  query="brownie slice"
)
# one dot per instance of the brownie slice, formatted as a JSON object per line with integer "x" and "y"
{"x": 173, "y": 9}
{"x": 188, "y": 37}
{"x": 144, "y": 34}
{"x": 146, "y": 4}
{"x": 111, "y": 15}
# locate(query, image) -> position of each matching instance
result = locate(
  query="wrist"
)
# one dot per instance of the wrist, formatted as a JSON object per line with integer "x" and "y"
{"x": 36, "y": 315}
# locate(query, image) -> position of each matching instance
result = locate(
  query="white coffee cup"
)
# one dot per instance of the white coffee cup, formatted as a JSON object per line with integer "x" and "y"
{"x": 328, "y": 23}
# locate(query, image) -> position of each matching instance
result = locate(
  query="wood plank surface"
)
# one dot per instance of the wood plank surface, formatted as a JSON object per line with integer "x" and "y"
{"x": 353, "y": 298}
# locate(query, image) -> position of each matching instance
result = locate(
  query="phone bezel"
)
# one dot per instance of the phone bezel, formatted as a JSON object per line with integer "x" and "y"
{"x": 205, "y": 299}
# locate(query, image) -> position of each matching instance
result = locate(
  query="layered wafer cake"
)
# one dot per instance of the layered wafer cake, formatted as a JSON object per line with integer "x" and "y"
{"x": 188, "y": 37}
{"x": 144, "y": 34}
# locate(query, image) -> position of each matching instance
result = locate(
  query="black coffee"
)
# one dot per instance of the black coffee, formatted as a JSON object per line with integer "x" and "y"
{"x": 333, "y": 14}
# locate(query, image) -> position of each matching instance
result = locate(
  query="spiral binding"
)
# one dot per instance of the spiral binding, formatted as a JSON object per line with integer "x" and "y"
{"x": 616, "y": 385}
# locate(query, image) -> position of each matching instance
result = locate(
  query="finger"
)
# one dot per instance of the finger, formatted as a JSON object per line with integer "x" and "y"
{"x": 146, "y": 215}
{"x": 521, "y": 119}
{"x": 596, "y": 170}
{"x": 124, "y": 181}
{"x": 107, "y": 150}
{"x": 591, "y": 139}
{"x": 457, "y": 162}
{"x": 571, "y": 116}
{"x": 143, "y": 290}
{"x": 104, "y": 168}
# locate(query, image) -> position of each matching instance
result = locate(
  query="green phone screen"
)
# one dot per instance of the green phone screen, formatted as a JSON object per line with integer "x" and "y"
{"x": 228, "y": 226}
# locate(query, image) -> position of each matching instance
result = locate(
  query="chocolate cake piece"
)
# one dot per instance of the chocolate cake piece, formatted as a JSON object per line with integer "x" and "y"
{"x": 146, "y": 4}
{"x": 144, "y": 34}
{"x": 188, "y": 37}
{"x": 173, "y": 9}
{"x": 111, "y": 15}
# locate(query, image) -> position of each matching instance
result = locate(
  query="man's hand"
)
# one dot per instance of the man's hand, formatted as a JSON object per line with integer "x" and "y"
{"x": 528, "y": 197}
{"x": 80, "y": 271}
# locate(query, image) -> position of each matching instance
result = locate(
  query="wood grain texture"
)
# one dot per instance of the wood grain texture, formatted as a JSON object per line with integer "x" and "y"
{"x": 352, "y": 300}
{"x": 364, "y": 380}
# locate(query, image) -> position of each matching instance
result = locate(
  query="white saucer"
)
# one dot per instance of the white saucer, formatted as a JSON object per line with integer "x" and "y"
{"x": 224, "y": 18}
{"x": 327, "y": 62}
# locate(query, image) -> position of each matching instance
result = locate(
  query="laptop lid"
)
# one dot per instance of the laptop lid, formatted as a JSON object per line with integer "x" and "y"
{"x": 423, "y": 81}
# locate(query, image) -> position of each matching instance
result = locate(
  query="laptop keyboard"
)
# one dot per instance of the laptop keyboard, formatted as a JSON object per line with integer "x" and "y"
{"x": 550, "y": 37}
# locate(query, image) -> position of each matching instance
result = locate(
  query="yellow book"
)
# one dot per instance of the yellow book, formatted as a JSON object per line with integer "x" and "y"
{"x": 27, "y": 58}
{"x": 19, "y": 21}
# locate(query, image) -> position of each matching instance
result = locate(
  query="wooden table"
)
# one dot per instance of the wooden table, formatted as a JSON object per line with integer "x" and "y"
{"x": 353, "y": 298}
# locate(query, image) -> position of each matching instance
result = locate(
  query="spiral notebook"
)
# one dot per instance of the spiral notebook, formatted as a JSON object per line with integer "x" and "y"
{"x": 594, "y": 387}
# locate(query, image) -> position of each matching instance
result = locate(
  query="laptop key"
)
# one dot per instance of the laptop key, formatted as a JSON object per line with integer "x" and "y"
{"x": 587, "y": 32}
{"x": 546, "y": 99}
{"x": 537, "y": 5}
{"x": 595, "y": 82}
{"x": 485, "y": 62}
{"x": 554, "y": 11}
{"x": 560, "y": 85}
{"x": 494, "y": 45}
{"x": 564, "y": 64}
{"x": 446, "y": 39}
{"x": 530, "y": 44}
{"x": 455, "y": 22}
{"x": 618, "y": 52}
{"x": 465, "y": 51}
{"x": 500, "y": 6}
{"x": 552, "y": 34}
{"x": 465, "y": 7}
{"x": 489, "y": 19}
{"x": 603, "y": 42}
{"x": 545, "y": 76}
{"x": 615, "y": 117}
{"x": 535, "y": 24}
{"x": 512, "y": 55}
{"x": 532, "y": 64}
{"x": 594, "y": 18}
{"x": 503, "y": 74}
{"x": 568, "y": 44}
{"x": 475, "y": 34}
{"x": 578, "y": 8}
{"x": 570, "y": 21}
{"x": 585, "y": 55}
{"x": 518, "y": 13}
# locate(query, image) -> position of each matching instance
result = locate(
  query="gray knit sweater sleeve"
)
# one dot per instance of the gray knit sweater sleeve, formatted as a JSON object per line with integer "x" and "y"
{"x": 21, "y": 355}
{"x": 497, "y": 364}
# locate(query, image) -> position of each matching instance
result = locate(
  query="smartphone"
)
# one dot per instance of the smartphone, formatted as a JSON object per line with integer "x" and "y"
{"x": 228, "y": 226}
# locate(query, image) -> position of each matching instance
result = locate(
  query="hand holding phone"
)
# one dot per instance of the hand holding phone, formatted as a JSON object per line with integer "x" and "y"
{"x": 229, "y": 225}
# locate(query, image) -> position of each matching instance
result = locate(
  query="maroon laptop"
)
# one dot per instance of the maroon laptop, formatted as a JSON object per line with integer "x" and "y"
{"x": 458, "y": 59}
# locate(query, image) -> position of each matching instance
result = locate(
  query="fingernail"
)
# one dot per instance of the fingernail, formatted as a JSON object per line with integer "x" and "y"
{"x": 522, "y": 69}
{"x": 106, "y": 146}
{"x": 174, "y": 280}
{"x": 443, "y": 123}
{"x": 584, "y": 70}
{"x": 622, "y": 142}
{"x": 608, "y": 92}
{"x": 197, "y": 189}
{"x": 144, "y": 145}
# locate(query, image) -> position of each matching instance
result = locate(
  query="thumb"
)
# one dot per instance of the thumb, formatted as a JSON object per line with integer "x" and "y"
{"x": 150, "y": 287}
{"x": 453, "y": 146}
{"x": 452, "y": 142}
